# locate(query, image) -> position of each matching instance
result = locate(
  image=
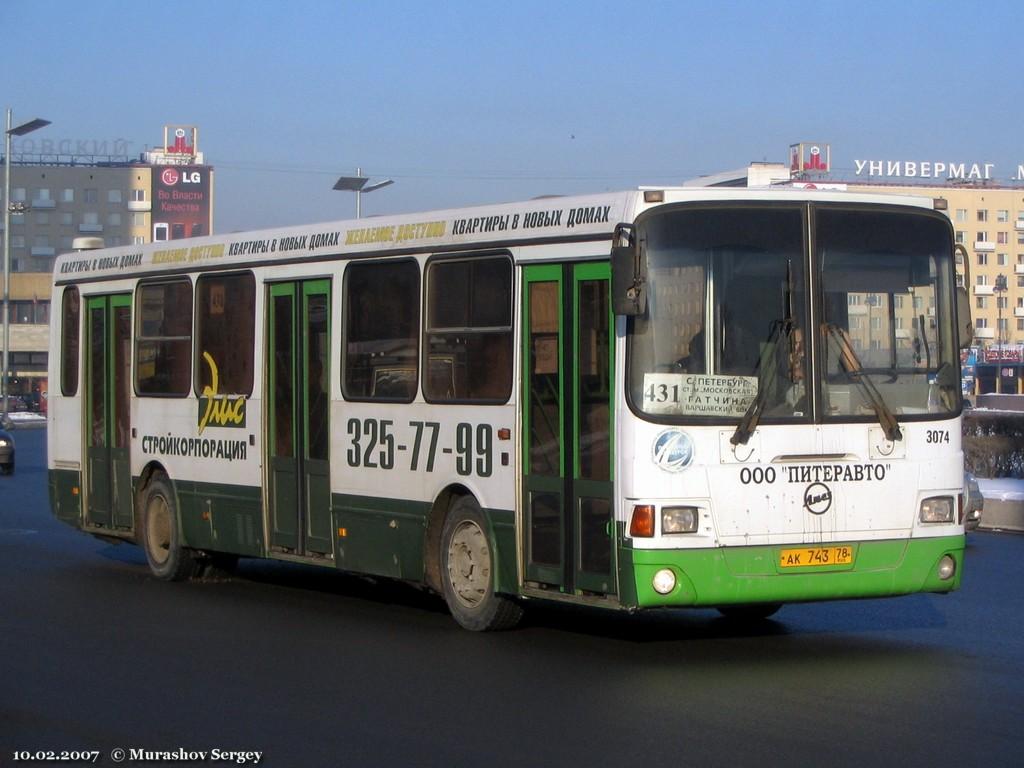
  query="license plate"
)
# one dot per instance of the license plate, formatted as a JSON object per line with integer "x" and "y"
{"x": 812, "y": 557}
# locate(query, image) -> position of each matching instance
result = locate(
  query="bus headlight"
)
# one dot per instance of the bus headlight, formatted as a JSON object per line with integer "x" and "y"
{"x": 938, "y": 509}
{"x": 664, "y": 581}
{"x": 947, "y": 568}
{"x": 679, "y": 519}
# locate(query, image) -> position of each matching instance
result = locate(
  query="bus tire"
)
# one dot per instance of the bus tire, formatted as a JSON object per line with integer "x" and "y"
{"x": 161, "y": 537}
{"x": 467, "y": 571}
{"x": 751, "y": 612}
{"x": 217, "y": 566}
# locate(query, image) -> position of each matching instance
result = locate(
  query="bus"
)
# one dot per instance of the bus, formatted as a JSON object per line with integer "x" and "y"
{"x": 658, "y": 398}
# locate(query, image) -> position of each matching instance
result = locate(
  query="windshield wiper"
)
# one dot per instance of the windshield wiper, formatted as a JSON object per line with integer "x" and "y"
{"x": 768, "y": 365}
{"x": 855, "y": 370}
{"x": 768, "y": 368}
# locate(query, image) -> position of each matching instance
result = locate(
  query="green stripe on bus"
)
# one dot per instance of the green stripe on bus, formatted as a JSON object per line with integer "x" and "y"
{"x": 220, "y": 517}
{"x": 65, "y": 487}
{"x": 386, "y": 537}
{"x": 737, "y": 575}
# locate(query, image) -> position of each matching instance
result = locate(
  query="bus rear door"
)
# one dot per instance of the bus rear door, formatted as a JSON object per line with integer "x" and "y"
{"x": 109, "y": 501}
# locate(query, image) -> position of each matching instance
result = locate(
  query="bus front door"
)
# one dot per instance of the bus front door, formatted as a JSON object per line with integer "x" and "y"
{"x": 298, "y": 438}
{"x": 567, "y": 421}
{"x": 109, "y": 502}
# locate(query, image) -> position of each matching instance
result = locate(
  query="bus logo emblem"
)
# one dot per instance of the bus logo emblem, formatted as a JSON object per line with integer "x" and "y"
{"x": 215, "y": 409}
{"x": 673, "y": 450}
{"x": 817, "y": 498}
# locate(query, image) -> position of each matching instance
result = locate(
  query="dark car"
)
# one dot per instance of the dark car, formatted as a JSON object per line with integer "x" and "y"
{"x": 15, "y": 403}
{"x": 6, "y": 452}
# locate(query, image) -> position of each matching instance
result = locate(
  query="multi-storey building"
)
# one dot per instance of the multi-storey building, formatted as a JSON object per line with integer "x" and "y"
{"x": 989, "y": 222}
{"x": 166, "y": 194}
{"x": 985, "y": 206}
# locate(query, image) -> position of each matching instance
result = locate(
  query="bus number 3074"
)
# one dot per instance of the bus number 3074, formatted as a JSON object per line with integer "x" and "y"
{"x": 373, "y": 445}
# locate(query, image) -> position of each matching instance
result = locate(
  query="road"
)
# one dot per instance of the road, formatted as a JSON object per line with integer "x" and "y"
{"x": 315, "y": 668}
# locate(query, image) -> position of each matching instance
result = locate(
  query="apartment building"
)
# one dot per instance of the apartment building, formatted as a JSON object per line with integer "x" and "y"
{"x": 164, "y": 194}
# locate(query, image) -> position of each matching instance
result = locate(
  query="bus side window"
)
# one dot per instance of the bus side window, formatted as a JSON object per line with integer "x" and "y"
{"x": 225, "y": 327}
{"x": 469, "y": 330}
{"x": 380, "y": 343}
{"x": 69, "y": 342}
{"x": 163, "y": 338}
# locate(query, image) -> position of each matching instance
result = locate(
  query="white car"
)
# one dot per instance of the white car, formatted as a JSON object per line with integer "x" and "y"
{"x": 973, "y": 502}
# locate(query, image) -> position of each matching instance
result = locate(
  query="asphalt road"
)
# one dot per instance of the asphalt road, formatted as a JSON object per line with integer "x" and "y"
{"x": 315, "y": 668}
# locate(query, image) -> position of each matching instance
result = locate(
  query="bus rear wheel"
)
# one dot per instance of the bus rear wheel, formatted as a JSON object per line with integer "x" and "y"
{"x": 467, "y": 572}
{"x": 161, "y": 538}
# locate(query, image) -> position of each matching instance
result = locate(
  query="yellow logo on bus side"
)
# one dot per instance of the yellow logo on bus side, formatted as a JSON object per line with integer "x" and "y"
{"x": 217, "y": 410}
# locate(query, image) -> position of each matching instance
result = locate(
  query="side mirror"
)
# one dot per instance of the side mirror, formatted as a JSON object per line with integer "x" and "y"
{"x": 963, "y": 314}
{"x": 629, "y": 275}
{"x": 965, "y": 326}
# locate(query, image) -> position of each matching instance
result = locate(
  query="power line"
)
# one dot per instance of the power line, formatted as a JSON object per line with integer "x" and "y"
{"x": 461, "y": 175}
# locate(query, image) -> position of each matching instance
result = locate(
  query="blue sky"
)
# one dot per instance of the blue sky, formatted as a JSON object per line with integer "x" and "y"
{"x": 478, "y": 102}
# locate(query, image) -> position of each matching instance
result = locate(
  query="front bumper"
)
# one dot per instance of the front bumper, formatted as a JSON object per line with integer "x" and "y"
{"x": 740, "y": 575}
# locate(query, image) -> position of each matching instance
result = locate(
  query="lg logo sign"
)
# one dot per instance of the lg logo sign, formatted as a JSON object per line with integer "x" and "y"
{"x": 171, "y": 176}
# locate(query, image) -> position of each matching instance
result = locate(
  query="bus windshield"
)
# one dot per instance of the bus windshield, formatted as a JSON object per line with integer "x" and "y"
{"x": 724, "y": 334}
{"x": 725, "y": 317}
{"x": 887, "y": 282}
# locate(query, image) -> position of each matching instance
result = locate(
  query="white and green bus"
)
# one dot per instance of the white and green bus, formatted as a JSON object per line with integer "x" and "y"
{"x": 659, "y": 398}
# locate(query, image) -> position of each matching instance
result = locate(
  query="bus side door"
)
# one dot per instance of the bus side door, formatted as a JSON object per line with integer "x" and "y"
{"x": 298, "y": 374}
{"x": 568, "y": 427}
{"x": 109, "y": 502}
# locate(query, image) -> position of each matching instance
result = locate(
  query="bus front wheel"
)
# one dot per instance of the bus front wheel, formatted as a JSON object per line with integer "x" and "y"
{"x": 467, "y": 572}
{"x": 161, "y": 538}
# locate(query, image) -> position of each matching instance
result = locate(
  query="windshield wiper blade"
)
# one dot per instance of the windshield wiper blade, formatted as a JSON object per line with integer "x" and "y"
{"x": 855, "y": 370}
{"x": 767, "y": 368}
{"x": 768, "y": 365}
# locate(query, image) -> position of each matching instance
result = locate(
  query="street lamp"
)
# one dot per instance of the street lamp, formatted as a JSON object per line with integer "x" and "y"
{"x": 358, "y": 185}
{"x": 872, "y": 301}
{"x": 19, "y": 130}
{"x": 1000, "y": 287}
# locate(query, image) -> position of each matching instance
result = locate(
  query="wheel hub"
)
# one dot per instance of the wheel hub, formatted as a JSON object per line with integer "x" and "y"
{"x": 158, "y": 530}
{"x": 469, "y": 563}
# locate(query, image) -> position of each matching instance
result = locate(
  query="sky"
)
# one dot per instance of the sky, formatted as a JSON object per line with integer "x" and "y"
{"x": 468, "y": 102}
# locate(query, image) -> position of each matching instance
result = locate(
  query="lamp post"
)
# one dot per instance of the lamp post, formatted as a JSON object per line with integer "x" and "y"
{"x": 19, "y": 130}
{"x": 1000, "y": 288}
{"x": 871, "y": 301}
{"x": 358, "y": 185}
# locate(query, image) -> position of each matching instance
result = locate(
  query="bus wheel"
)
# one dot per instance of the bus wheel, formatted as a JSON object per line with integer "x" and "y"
{"x": 467, "y": 572}
{"x": 217, "y": 566}
{"x": 752, "y": 612}
{"x": 161, "y": 539}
